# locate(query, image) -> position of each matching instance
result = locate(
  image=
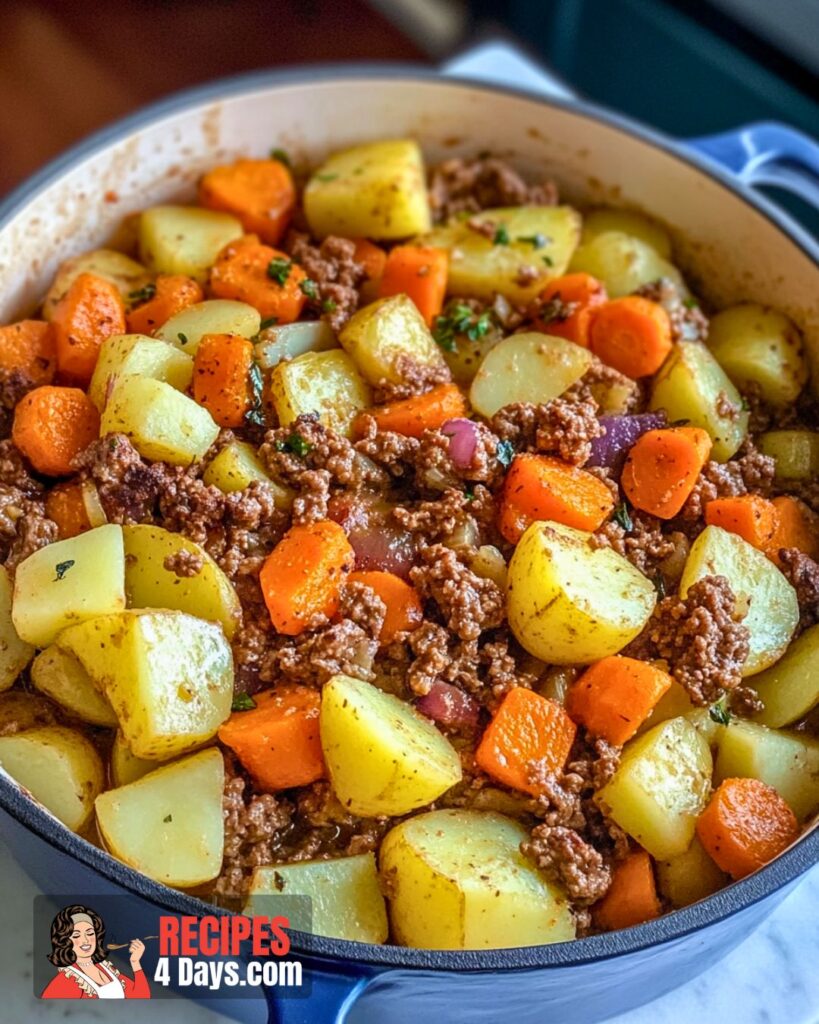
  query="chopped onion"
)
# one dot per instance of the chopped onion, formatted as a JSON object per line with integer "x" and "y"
{"x": 449, "y": 706}
{"x": 383, "y": 548}
{"x": 463, "y": 440}
{"x": 93, "y": 505}
{"x": 291, "y": 340}
{"x": 622, "y": 432}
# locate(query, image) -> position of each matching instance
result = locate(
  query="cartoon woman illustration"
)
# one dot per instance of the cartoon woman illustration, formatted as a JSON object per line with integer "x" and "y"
{"x": 79, "y": 953}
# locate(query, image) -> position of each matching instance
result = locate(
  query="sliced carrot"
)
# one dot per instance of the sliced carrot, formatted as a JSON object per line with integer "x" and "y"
{"x": 746, "y": 824}
{"x": 174, "y": 292}
{"x": 52, "y": 425}
{"x": 261, "y": 276}
{"x": 30, "y": 347}
{"x": 65, "y": 505}
{"x": 90, "y": 311}
{"x": 221, "y": 375}
{"x": 797, "y": 526}
{"x": 570, "y": 302}
{"x": 526, "y": 729}
{"x": 632, "y": 334}
{"x": 278, "y": 741}
{"x": 371, "y": 256}
{"x": 632, "y": 897}
{"x": 542, "y": 487}
{"x": 750, "y": 516}
{"x": 615, "y": 696}
{"x": 420, "y": 272}
{"x": 260, "y": 193}
{"x": 302, "y": 575}
{"x": 662, "y": 467}
{"x": 412, "y": 416}
{"x": 404, "y": 609}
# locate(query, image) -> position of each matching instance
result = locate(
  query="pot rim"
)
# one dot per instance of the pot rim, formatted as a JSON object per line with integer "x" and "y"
{"x": 670, "y": 927}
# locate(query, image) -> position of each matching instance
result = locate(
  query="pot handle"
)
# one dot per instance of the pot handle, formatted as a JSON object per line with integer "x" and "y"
{"x": 332, "y": 994}
{"x": 767, "y": 153}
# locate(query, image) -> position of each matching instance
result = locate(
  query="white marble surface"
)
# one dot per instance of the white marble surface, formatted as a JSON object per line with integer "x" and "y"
{"x": 771, "y": 978}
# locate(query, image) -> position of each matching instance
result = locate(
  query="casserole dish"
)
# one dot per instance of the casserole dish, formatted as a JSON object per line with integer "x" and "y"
{"x": 735, "y": 246}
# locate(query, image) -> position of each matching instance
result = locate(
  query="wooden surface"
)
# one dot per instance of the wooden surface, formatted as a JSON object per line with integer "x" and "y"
{"x": 69, "y": 67}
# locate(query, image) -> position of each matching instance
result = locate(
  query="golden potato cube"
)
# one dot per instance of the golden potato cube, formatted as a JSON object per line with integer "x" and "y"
{"x": 623, "y": 262}
{"x": 15, "y": 653}
{"x": 789, "y": 689}
{"x": 291, "y": 340}
{"x": 126, "y": 767}
{"x": 627, "y": 222}
{"x": 61, "y": 677}
{"x": 795, "y": 453}
{"x": 237, "y": 466}
{"x": 124, "y": 354}
{"x": 326, "y": 383}
{"x": 185, "y": 239}
{"x": 186, "y": 329}
{"x": 690, "y": 876}
{"x": 126, "y": 274}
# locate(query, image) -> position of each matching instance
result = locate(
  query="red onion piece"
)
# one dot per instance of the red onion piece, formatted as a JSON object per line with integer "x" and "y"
{"x": 611, "y": 449}
{"x": 463, "y": 440}
{"x": 450, "y": 706}
{"x": 383, "y": 548}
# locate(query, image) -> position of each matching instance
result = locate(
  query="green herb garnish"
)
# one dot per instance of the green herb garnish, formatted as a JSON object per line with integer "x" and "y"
{"x": 537, "y": 240}
{"x": 242, "y": 702}
{"x": 622, "y": 517}
{"x": 469, "y": 492}
{"x": 460, "y": 320}
{"x": 310, "y": 288}
{"x": 505, "y": 453}
{"x": 281, "y": 155}
{"x": 61, "y": 568}
{"x": 278, "y": 269}
{"x": 326, "y": 177}
{"x": 501, "y": 236}
{"x": 255, "y": 414}
{"x": 269, "y": 321}
{"x": 144, "y": 294}
{"x": 329, "y": 306}
{"x": 296, "y": 445}
{"x": 691, "y": 303}
{"x": 168, "y": 818}
{"x": 746, "y": 405}
{"x": 183, "y": 338}
{"x": 659, "y": 584}
{"x": 719, "y": 713}
{"x": 548, "y": 261}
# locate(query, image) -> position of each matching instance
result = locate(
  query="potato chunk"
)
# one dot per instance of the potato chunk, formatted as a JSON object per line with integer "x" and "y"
{"x": 569, "y": 603}
{"x": 661, "y": 787}
{"x": 208, "y": 594}
{"x": 795, "y": 453}
{"x": 531, "y": 245}
{"x": 326, "y": 383}
{"x": 690, "y": 876}
{"x": 790, "y": 688}
{"x": 237, "y": 466}
{"x": 61, "y": 677}
{"x": 529, "y": 367}
{"x": 162, "y": 423}
{"x": 459, "y": 881}
{"x": 383, "y": 756}
{"x": 376, "y": 190}
{"x": 168, "y": 676}
{"x": 126, "y": 767}
{"x": 627, "y": 222}
{"x": 123, "y": 272}
{"x": 124, "y": 354}
{"x": 347, "y": 900}
{"x": 623, "y": 262}
{"x": 760, "y": 589}
{"x": 692, "y": 386}
{"x": 68, "y": 582}
{"x": 186, "y": 329}
{"x": 168, "y": 825}
{"x": 59, "y": 767}
{"x": 15, "y": 653}
{"x": 185, "y": 239}
{"x": 291, "y": 340}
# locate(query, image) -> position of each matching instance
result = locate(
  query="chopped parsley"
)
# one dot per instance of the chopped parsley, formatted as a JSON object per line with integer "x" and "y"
{"x": 61, "y": 568}
{"x": 505, "y": 453}
{"x": 469, "y": 492}
{"x": 255, "y": 414}
{"x": 719, "y": 713}
{"x": 144, "y": 294}
{"x": 622, "y": 517}
{"x": 659, "y": 584}
{"x": 183, "y": 338}
{"x": 537, "y": 240}
{"x": 746, "y": 405}
{"x": 281, "y": 155}
{"x": 242, "y": 702}
{"x": 501, "y": 236}
{"x": 329, "y": 306}
{"x": 278, "y": 269}
{"x": 309, "y": 288}
{"x": 460, "y": 319}
{"x": 326, "y": 177}
{"x": 548, "y": 261}
{"x": 691, "y": 303}
{"x": 269, "y": 321}
{"x": 168, "y": 818}
{"x": 295, "y": 444}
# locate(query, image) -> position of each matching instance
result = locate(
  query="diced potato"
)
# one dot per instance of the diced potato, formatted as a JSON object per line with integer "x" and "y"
{"x": 345, "y": 893}
{"x": 128, "y": 275}
{"x": 758, "y": 346}
{"x": 236, "y": 467}
{"x": 615, "y": 396}
{"x": 673, "y": 703}
{"x": 529, "y": 367}
{"x": 661, "y": 787}
{"x": 376, "y": 190}
{"x": 627, "y": 222}
{"x": 480, "y": 267}
{"x": 291, "y": 340}
{"x": 68, "y": 582}
{"x": 185, "y": 239}
{"x": 690, "y": 876}
{"x": 459, "y": 881}
{"x": 569, "y": 603}
{"x": 488, "y": 563}
{"x": 15, "y": 653}
{"x": 790, "y": 688}
{"x": 326, "y": 383}
{"x": 126, "y": 767}
{"x": 149, "y": 584}
{"x": 787, "y": 761}
{"x": 709, "y": 728}
{"x": 691, "y": 385}
{"x": 464, "y": 358}
{"x": 124, "y": 354}
{"x": 623, "y": 263}
{"x": 383, "y": 756}
{"x": 795, "y": 452}
{"x": 61, "y": 677}
{"x": 760, "y": 589}
{"x": 168, "y": 825}
{"x": 379, "y": 334}
{"x": 162, "y": 423}
{"x": 168, "y": 676}
{"x": 215, "y": 316}
{"x": 59, "y": 767}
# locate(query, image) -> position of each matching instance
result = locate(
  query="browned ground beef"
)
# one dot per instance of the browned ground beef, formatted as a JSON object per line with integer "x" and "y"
{"x": 460, "y": 184}
{"x": 688, "y": 322}
{"x": 803, "y": 574}
{"x": 335, "y": 271}
{"x": 560, "y": 427}
{"x": 414, "y": 378}
{"x": 749, "y": 471}
{"x": 564, "y": 854}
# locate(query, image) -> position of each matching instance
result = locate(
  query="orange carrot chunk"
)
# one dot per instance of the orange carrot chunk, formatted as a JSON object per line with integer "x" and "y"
{"x": 221, "y": 374}
{"x": 90, "y": 311}
{"x": 30, "y": 348}
{"x": 567, "y": 304}
{"x": 750, "y": 516}
{"x": 371, "y": 256}
{"x": 278, "y": 741}
{"x": 632, "y": 334}
{"x": 797, "y": 526}
{"x": 404, "y": 609}
{"x": 526, "y": 728}
{"x": 52, "y": 425}
{"x": 542, "y": 487}
{"x": 174, "y": 292}
{"x": 260, "y": 193}
{"x": 746, "y": 824}
{"x": 302, "y": 575}
{"x": 261, "y": 276}
{"x": 65, "y": 505}
{"x": 419, "y": 272}
{"x": 632, "y": 897}
{"x": 412, "y": 416}
{"x": 662, "y": 468}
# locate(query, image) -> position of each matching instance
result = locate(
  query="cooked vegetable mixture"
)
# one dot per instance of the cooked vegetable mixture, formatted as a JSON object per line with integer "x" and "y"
{"x": 407, "y": 539}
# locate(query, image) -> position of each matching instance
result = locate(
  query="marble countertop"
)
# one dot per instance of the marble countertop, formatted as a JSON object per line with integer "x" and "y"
{"x": 770, "y": 979}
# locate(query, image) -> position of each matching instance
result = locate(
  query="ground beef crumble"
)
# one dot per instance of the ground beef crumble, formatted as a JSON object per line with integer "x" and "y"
{"x": 688, "y": 322}
{"x": 749, "y": 471}
{"x": 413, "y": 378}
{"x": 335, "y": 271}
{"x": 561, "y": 427}
{"x": 470, "y": 185}
{"x": 802, "y": 572}
{"x": 645, "y": 545}
{"x": 184, "y": 564}
{"x": 468, "y": 603}
{"x": 563, "y": 854}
